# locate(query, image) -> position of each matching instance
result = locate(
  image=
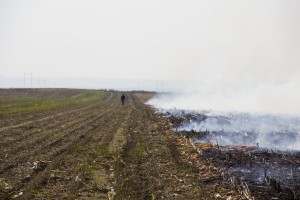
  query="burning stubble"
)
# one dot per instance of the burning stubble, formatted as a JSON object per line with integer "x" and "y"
{"x": 276, "y": 132}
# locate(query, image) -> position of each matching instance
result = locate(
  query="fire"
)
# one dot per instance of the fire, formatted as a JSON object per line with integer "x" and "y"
{"x": 226, "y": 148}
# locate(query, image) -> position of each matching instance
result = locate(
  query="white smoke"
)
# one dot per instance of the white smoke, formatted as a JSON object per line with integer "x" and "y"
{"x": 268, "y": 131}
{"x": 273, "y": 119}
{"x": 218, "y": 94}
{"x": 246, "y": 58}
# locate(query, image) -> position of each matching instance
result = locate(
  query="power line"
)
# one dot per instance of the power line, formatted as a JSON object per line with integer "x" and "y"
{"x": 24, "y": 79}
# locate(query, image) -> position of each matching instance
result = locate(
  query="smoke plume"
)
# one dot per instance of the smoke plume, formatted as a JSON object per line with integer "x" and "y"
{"x": 245, "y": 58}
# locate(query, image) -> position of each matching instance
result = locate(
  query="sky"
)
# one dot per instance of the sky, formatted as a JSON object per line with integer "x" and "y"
{"x": 227, "y": 48}
{"x": 156, "y": 39}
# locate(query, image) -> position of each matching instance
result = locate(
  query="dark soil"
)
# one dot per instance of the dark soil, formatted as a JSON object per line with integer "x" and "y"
{"x": 102, "y": 150}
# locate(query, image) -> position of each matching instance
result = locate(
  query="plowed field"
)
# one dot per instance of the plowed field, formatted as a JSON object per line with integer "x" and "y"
{"x": 83, "y": 145}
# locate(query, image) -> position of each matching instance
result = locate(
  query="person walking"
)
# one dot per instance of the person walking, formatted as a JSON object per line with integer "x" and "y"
{"x": 123, "y": 99}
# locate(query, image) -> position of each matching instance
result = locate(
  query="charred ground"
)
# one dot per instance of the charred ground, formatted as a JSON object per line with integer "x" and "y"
{"x": 253, "y": 171}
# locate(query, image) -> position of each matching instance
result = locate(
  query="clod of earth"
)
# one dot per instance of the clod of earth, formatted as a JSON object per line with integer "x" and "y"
{"x": 83, "y": 144}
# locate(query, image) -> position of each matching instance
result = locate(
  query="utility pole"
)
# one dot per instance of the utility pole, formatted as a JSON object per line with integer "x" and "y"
{"x": 31, "y": 80}
{"x": 24, "y": 80}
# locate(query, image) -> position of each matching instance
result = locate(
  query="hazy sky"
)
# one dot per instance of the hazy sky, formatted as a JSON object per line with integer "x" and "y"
{"x": 158, "y": 39}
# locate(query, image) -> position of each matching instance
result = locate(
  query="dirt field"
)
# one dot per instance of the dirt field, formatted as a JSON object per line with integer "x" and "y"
{"x": 86, "y": 145}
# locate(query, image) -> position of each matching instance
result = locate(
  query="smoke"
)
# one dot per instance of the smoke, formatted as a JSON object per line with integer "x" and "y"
{"x": 246, "y": 58}
{"x": 277, "y": 132}
{"x": 267, "y": 114}
{"x": 261, "y": 97}
{"x": 268, "y": 131}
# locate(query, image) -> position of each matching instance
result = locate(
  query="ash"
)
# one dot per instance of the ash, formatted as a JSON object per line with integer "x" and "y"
{"x": 259, "y": 150}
